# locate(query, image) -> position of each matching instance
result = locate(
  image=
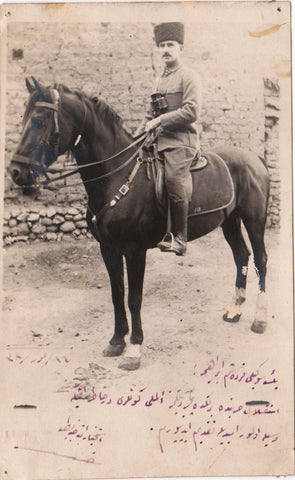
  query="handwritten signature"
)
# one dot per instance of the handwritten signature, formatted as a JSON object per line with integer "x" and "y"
{"x": 80, "y": 430}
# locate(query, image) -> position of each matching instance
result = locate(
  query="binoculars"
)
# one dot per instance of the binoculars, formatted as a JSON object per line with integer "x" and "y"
{"x": 159, "y": 104}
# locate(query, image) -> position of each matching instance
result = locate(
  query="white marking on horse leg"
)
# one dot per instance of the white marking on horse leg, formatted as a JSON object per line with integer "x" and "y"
{"x": 245, "y": 270}
{"x": 232, "y": 311}
{"x": 260, "y": 319}
{"x": 239, "y": 296}
{"x": 131, "y": 358}
{"x": 132, "y": 351}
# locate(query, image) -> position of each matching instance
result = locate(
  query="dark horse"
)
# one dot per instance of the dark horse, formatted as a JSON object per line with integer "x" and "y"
{"x": 57, "y": 120}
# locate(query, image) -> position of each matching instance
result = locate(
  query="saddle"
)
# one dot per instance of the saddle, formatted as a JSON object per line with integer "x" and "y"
{"x": 213, "y": 188}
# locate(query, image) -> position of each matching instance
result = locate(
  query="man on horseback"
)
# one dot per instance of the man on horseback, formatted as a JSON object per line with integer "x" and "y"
{"x": 174, "y": 111}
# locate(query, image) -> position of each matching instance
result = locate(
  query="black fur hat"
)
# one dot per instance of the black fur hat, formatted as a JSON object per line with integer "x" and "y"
{"x": 169, "y": 31}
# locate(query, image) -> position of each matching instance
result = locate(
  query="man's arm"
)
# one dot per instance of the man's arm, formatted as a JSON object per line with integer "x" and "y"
{"x": 189, "y": 112}
{"x": 141, "y": 128}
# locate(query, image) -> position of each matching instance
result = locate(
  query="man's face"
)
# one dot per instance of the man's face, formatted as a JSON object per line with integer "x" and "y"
{"x": 170, "y": 52}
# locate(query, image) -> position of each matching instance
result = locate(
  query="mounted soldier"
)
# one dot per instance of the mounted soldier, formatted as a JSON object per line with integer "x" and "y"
{"x": 234, "y": 187}
{"x": 174, "y": 111}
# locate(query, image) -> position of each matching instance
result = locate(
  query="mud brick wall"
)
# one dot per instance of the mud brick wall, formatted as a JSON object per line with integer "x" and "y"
{"x": 120, "y": 62}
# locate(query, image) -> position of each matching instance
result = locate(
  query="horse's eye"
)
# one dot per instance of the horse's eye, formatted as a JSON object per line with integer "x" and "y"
{"x": 37, "y": 123}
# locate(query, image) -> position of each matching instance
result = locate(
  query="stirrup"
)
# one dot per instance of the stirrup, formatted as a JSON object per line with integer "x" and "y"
{"x": 178, "y": 247}
{"x": 172, "y": 244}
{"x": 167, "y": 242}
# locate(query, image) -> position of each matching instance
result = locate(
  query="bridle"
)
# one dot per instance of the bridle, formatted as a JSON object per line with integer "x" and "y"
{"x": 141, "y": 141}
{"x": 49, "y": 132}
{"x": 44, "y": 144}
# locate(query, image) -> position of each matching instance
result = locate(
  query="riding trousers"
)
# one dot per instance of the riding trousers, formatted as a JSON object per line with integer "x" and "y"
{"x": 178, "y": 180}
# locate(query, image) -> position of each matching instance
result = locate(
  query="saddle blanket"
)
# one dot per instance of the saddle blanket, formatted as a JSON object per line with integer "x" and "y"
{"x": 212, "y": 186}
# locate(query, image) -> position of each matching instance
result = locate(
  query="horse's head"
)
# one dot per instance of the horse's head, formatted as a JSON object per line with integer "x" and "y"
{"x": 57, "y": 120}
{"x": 39, "y": 144}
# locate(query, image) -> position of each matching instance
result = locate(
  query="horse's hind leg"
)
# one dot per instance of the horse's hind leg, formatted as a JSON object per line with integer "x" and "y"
{"x": 233, "y": 235}
{"x": 255, "y": 231}
{"x": 113, "y": 260}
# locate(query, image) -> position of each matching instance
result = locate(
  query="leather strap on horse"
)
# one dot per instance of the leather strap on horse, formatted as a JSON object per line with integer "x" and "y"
{"x": 44, "y": 142}
{"x": 54, "y": 107}
{"x": 124, "y": 189}
{"x": 78, "y": 169}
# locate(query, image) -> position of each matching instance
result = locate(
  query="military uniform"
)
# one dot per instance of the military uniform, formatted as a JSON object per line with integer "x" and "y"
{"x": 178, "y": 133}
{"x": 182, "y": 89}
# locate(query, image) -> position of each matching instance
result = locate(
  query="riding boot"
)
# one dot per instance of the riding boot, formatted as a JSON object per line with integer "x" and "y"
{"x": 176, "y": 241}
{"x": 179, "y": 212}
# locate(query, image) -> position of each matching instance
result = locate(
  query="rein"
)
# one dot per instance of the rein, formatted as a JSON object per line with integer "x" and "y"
{"x": 100, "y": 177}
{"x": 45, "y": 144}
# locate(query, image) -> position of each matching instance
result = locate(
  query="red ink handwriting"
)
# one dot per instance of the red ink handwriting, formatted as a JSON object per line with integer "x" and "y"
{"x": 197, "y": 437}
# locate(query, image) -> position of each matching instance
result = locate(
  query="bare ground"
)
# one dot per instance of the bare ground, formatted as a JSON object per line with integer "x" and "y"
{"x": 60, "y": 292}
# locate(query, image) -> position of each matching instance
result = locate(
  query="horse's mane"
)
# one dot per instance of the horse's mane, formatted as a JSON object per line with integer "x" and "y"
{"x": 99, "y": 107}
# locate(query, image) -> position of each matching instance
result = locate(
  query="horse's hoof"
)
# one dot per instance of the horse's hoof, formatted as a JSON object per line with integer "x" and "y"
{"x": 114, "y": 350}
{"x": 130, "y": 363}
{"x": 232, "y": 314}
{"x": 131, "y": 360}
{"x": 258, "y": 327}
{"x": 233, "y": 319}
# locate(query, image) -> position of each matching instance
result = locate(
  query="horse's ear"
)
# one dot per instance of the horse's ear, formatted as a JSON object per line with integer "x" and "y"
{"x": 42, "y": 90}
{"x": 30, "y": 87}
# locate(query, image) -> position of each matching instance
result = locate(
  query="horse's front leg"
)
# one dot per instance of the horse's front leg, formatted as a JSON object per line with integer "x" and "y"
{"x": 135, "y": 260}
{"x": 113, "y": 260}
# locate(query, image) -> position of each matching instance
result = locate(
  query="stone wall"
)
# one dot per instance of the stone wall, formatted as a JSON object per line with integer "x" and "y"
{"x": 271, "y": 149}
{"x": 51, "y": 224}
{"x": 119, "y": 62}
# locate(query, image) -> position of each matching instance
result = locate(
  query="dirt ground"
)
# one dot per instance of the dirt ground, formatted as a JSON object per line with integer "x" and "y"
{"x": 59, "y": 292}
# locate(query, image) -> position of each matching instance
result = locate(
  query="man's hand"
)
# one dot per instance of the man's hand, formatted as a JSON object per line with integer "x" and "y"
{"x": 152, "y": 124}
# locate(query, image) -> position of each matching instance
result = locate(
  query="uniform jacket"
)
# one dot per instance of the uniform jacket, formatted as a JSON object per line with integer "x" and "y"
{"x": 180, "y": 124}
